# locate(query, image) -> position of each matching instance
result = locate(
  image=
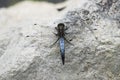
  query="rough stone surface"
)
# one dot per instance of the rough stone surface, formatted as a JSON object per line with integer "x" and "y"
{"x": 94, "y": 29}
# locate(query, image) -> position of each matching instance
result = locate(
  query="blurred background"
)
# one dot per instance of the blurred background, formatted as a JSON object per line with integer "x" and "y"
{"x": 7, "y": 3}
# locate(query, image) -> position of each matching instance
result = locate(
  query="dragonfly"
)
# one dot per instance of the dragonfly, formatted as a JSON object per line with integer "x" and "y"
{"x": 61, "y": 32}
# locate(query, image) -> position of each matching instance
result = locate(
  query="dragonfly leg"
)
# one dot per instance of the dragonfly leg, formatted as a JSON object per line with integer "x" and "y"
{"x": 66, "y": 28}
{"x": 56, "y": 28}
{"x": 54, "y": 42}
{"x": 67, "y": 33}
{"x": 55, "y": 34}
{"x": 68, "y": 41}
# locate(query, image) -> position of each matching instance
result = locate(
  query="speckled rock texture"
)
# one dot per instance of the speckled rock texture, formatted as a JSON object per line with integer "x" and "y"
{"x": 94, "y": 29}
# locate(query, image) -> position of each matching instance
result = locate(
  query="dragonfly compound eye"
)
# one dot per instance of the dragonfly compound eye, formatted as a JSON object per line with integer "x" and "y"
{"x": 61, "y": 24}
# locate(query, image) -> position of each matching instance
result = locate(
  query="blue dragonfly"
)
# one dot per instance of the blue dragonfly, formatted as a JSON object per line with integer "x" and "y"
{"x": 61, "y": 28}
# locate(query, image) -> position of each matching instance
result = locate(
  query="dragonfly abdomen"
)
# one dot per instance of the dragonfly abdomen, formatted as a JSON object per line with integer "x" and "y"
{"x": 62, "y": 49}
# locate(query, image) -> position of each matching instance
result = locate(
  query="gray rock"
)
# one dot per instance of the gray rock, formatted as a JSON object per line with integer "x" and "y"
{"x": 94, "y": 29}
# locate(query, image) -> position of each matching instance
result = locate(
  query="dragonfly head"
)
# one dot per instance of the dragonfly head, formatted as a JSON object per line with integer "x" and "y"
{"x": 61, "y": 26}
